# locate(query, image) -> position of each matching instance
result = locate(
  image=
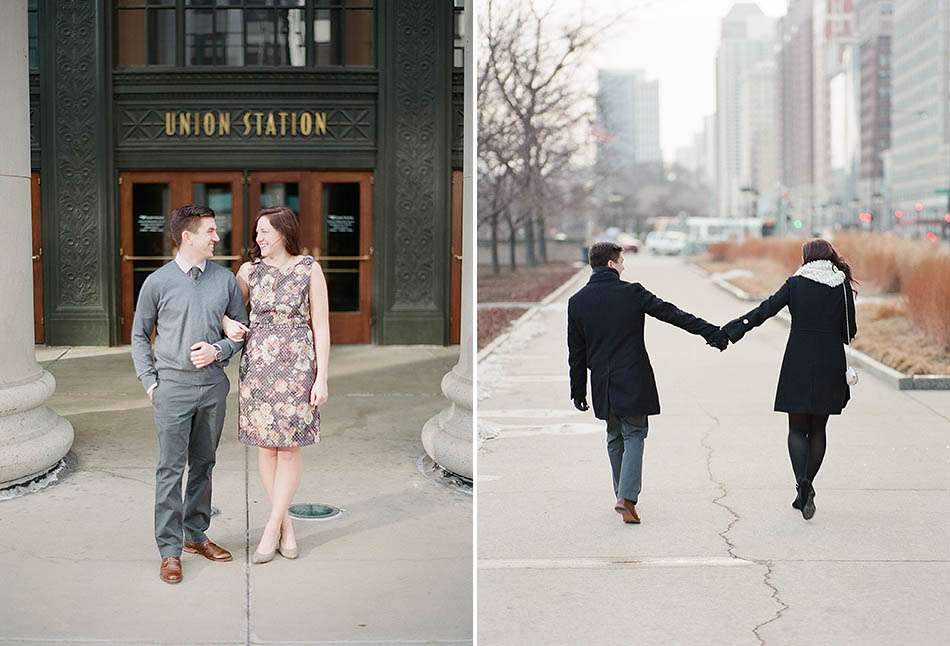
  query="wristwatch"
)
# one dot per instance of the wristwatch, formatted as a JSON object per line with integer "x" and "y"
{"x": 217, "y": 351}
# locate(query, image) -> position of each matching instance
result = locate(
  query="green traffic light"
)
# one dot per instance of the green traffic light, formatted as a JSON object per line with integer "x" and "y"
{"x": 797, "y": 224}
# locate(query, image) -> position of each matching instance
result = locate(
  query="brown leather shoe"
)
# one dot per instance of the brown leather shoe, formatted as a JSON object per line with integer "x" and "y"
{"x": 171, "y": 569}
{"x": 627, "y": 510}
{"x": 208, "y": 550}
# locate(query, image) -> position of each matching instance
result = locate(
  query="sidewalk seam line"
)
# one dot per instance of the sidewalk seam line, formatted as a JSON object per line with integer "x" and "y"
{"x": 247, "y": 553}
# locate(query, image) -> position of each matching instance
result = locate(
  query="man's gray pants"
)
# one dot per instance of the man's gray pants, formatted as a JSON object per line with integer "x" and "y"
{"x": 189, "y": 420}
{"x": 625, "y": 436}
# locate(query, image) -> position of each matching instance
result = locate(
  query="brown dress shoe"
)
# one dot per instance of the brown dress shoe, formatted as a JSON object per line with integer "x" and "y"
{"x": 208, "y": 550}
{"x": 171, "y": 569}
{"x": 627, "y": 510}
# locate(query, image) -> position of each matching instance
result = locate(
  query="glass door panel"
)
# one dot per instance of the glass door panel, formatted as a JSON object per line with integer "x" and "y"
{"x": 151, "y": 245}
{"x": 341, "y": 245}
{"x": 217, "y": 197}
{"x": 288, "y": 189}
{"x": 281, "y": 194}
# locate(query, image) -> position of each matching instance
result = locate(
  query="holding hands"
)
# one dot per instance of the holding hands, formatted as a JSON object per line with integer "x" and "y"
{"x": 718, "y": 340}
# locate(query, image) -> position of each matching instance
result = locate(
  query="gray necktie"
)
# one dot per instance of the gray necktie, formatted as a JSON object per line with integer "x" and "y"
{"x": 195, "y": 272}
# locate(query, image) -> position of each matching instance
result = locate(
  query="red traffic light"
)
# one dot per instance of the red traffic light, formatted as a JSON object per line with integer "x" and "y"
{"x": 865, "y": 217}
{"x": 947, "y": 218}
{"x": 898, "y": 214}
{"x": 919, "y": 206}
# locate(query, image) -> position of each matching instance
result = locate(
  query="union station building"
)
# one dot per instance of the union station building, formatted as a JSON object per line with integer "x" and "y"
{"x": 347, "y": 111}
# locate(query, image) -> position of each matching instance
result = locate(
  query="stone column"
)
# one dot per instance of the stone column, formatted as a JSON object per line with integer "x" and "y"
{"x": 32, "y": 437}
{"x": 447, "y": 437}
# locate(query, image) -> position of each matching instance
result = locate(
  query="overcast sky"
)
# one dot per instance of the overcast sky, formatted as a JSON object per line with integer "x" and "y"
{"x": 674, "y": 41}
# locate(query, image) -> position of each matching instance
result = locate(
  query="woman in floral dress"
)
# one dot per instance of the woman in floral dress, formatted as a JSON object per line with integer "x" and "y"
{"x": 284, "y": 365}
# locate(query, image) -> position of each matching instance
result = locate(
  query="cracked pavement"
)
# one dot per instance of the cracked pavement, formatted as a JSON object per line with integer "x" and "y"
{"x": 79, "y": 561}
{"x": 721, "y": 556}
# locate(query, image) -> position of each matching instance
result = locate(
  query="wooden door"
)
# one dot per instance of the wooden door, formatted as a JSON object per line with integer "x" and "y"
{"x": 146, "y": 199}
{"x": 39, "y": 322}
{"x": 344, "y": 236}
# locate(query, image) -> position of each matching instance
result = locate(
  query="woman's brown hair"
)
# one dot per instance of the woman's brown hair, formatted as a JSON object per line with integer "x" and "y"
{"x": 284, "y": 221}
{"x": 819, "y": 249}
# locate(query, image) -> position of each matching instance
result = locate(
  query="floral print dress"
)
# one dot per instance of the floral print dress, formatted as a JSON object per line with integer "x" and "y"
{"x": 279, "y": 365}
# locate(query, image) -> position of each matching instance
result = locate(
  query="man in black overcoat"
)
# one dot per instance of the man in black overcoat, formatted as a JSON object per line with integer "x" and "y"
{"x": 605, "y": 322}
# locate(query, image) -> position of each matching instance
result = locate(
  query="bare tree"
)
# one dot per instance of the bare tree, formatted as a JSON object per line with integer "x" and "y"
{"x": 534, "y": 110}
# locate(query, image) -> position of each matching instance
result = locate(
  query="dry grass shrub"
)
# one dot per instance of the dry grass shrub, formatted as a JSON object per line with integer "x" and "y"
{"x": 895, "y": 341}
{"x": 887, "y": 311}
{"x": 883, "y": 261}
{"x": 927, "y": 289}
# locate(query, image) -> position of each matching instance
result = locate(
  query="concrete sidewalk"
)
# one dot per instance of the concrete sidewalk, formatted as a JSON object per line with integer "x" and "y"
{"x": 721, "y": 557}
{"x": 79, "y": 562}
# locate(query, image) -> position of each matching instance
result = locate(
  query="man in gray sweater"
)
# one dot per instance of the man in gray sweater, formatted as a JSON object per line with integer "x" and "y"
{"x": 184, "y": 302}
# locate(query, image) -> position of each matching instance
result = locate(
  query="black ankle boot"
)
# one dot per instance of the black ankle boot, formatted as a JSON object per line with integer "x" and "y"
{"x": 807, "y": 495}
{"x": 797, "y": 503}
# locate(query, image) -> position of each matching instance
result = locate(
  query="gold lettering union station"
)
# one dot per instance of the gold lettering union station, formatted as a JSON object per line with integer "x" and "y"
{"x": 249, "y": 124}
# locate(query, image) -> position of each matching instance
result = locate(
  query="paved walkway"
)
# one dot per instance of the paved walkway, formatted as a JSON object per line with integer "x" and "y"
{"x": 721, "y": 557}
{"x": 79, "y": 563}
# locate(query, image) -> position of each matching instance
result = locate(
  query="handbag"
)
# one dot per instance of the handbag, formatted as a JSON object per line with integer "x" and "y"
{"x": 850, "y": 374}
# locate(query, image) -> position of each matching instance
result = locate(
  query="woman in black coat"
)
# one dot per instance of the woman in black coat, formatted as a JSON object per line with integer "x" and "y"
{"x": 812, "y": 383}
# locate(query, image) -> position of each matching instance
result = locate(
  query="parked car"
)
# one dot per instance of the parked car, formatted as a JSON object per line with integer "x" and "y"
{"x": 628, "y": 242}
{"x": 669, "y": 243}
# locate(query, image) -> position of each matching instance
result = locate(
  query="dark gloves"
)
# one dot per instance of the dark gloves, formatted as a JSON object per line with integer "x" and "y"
{"x": 718, "y": 339}
{"x": 581, "y": 404}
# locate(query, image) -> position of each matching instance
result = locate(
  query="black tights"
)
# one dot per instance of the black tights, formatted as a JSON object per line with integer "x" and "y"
{"x": 806, "y": 444}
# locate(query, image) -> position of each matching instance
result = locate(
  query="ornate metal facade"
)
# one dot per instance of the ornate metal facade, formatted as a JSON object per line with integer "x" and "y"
{"x": 400, "y": 120}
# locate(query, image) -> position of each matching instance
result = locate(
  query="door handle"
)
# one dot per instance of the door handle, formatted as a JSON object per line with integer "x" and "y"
{"x": 173, "y": 257}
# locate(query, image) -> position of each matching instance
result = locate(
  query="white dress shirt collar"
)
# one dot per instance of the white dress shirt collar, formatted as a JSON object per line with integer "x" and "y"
{"x": 185, "y": 267}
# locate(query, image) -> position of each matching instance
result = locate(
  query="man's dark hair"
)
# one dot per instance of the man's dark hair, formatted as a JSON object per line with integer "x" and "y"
{"x": 603, "y": 252}
{"x": 187, "y": 217}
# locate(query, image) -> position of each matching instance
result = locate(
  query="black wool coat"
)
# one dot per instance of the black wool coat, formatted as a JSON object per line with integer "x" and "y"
{"x": 605, "y": 321}
{"x": 812, "y": 379}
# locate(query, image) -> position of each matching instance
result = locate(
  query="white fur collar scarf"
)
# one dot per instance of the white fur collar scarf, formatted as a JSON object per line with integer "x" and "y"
{"x": 821, "y": 271}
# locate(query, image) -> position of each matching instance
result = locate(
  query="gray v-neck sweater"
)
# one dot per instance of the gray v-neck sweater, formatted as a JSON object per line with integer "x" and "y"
{"x": 183, "y": 312}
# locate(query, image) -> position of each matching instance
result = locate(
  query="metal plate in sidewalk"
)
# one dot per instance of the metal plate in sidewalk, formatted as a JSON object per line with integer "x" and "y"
{"x": 313, "y": 511}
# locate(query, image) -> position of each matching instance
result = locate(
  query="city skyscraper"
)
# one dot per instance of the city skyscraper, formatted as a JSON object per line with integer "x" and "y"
{"x": 747, "y": 38}
{"x": 628, "y": 114}
{"x": 875, "y": 26}
{"x": 833, "y": 33}
{"x": 758, "y": 152}
{"x": 920, "y": 116}
{"x": 794, "y": 90}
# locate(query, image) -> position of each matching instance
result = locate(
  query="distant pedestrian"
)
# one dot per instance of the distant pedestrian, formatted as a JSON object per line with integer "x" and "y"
{"x": 812, "y": 383}
{"x": 605, "y": 322}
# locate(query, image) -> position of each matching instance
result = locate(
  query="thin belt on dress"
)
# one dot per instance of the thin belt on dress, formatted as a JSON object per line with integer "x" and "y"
{"x": 271, "y": 326}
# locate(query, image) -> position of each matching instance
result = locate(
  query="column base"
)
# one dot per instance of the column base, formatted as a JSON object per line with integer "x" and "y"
{"x": 447, "y": 437}
{"x": 33, "y": 438}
